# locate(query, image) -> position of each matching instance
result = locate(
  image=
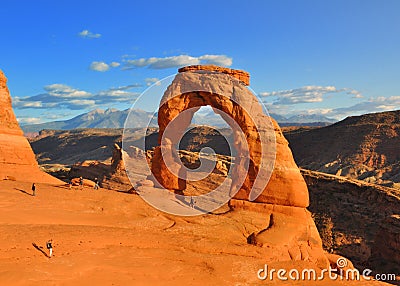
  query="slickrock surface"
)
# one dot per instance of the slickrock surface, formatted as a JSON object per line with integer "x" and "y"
{"x": 112, "y": 238}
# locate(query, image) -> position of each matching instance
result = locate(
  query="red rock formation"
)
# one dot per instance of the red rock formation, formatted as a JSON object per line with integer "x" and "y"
{"x": 117, "y": 179}
{"x": 8, "y": 121}
{"x": 86, "y": 182}
{"x": 111, "y": 176}
{"x": 286, "y": 186}
{"x": 89, "y": 169}
{"x": 289, "y": 232}
{"x": 16, "y": 156}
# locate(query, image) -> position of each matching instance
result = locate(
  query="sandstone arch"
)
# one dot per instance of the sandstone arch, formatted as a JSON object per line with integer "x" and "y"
{"x": 226, "y": 91}
{"x": 289, "y": 232}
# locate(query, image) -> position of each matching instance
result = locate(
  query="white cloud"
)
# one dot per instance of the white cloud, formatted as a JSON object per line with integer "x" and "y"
{"x": 150, "y": 80}
{"x": 219, "y": 60}
{"x": 322, "y": 111}
{"x": 163, "y": 63}
{"x": 305, "y": 94}
{"x": 89, "y": 35}
{"x": 120, "y": 94}
{"x": 355, "y": 93}
{"x": 377, "y": 104}
{"x": 114, "y": 64}
{"x": 61, "y": 96}
{"x": 22, "y": 103}
{"x": 54, "y": 116}
{"x": 102, "y": 66}
{"x": 177, "y": 61}
{"x": 29, "y": 120}
{"x": 99, "y": 66}
{"x": 62, "y": 90}
{"x": 287, "y": 102}
{"x": 83, "y": 103}
{"x": 126, "y": 87}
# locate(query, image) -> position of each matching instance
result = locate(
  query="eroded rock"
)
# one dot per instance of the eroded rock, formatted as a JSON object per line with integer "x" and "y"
{"x": 17, "y": 159}
{"x": 116, "y": 178}
{"x": 233, "y": 101}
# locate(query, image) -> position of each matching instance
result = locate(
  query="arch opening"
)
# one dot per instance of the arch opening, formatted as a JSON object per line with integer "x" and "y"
{"x": 177, "y": 120}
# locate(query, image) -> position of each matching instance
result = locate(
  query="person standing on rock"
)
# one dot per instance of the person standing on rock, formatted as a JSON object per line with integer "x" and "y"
{"x": 192, "y": 202}
{"x": 96, "y": 184}
{"x": 81, "y": 183}
{"x": 33, "y": 189}
{"x": 49, "y": 246}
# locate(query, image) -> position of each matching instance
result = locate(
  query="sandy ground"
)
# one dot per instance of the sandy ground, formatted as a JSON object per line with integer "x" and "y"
{"x": 111, "y": 238}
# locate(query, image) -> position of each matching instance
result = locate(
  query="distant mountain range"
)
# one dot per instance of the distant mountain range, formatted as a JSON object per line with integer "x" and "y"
{"x": 98, "y": 118}
{"x": 114, "y": 118}
{"x": 304, "y": 118}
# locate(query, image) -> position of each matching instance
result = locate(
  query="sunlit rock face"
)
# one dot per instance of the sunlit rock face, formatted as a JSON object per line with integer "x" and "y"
{"x": 17, "y": 160}
{"x": 230, "y": 98}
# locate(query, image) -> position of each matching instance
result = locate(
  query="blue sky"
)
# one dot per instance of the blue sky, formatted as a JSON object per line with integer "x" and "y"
{"x": 336, "y": 58}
